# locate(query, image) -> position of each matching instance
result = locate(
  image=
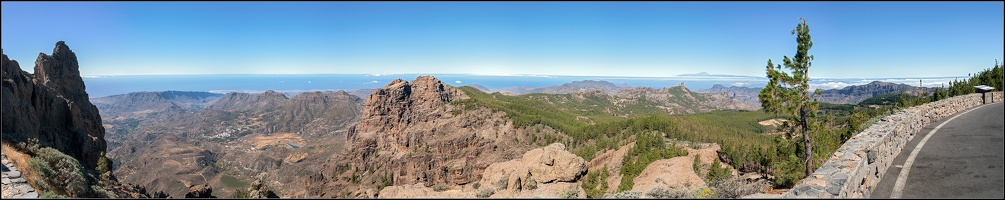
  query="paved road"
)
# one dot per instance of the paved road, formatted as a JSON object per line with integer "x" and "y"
{"x": 962, "y": 159}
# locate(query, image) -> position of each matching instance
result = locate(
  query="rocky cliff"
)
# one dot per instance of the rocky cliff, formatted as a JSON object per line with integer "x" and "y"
{"x": 52, "y": 106}
{"x": 411, "y": 133}
{"x": 391, "y": 109}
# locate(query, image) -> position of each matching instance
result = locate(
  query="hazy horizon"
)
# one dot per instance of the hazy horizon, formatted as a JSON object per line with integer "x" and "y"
{"x": 100, "y": 86}
{"x": 628, "y": 39}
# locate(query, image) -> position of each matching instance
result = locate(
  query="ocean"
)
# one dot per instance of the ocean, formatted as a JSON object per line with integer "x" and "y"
{"x": 101, "y": 86}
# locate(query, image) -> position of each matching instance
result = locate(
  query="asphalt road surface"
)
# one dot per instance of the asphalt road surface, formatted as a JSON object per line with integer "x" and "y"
{"x": 962, "y": 159}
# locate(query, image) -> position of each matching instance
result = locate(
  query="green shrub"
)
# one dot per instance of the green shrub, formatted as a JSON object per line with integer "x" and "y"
{"x": 717, "y": 172}
{"x": 51, "y": 195}
{"x": 530, "y": 184}
{"x": 593, "y": 180}
{"x": 31, "y": 145}
{"x": 649, "y": 147}
{"x": 485, "y": 193}
{"x": 788, "y": 172}
{"x": 736, "y": 188}
{"x": 572, "y": 193}
{"x": 60, "y": 171}
{"x": 41, "y": 168}
{"x": 631, "y": 194}
{"x": 696, "y": 166}
{"x": 104, "y": 165}
{"x": 240, "y": 194}
{"x": 102, "y": 193}
{"x": 440, "y": 187}
{"x": 670, "y": 193}
{"x": 66, "y": 173}
{"x": 704, "y": 193}
{"x": 502, "y": 183}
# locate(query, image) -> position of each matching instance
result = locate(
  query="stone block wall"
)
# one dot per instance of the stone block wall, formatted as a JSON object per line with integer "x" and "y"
{"x": 858, "y": 165}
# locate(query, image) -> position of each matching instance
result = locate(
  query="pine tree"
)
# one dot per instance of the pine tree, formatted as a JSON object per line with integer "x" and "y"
{"x": 789, "y": 94}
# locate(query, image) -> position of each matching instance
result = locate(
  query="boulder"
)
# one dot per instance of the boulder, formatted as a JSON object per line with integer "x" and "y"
{"x": 542, "y": 165}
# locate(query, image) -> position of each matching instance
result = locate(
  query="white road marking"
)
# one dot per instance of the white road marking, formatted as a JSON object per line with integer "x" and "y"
{"x": 898, "y": 187}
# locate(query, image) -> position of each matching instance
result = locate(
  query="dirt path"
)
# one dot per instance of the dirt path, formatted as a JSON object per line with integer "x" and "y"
{"x": 14, "y": 186}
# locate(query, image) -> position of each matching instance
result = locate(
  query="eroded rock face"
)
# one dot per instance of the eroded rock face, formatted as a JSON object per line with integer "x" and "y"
{"x": 546, "y": 172}
{"x": 542, "y": 165}
{"x": 412, "y": 133}
{"x": 52, "y": 106}
{"x": 390, "y": 109}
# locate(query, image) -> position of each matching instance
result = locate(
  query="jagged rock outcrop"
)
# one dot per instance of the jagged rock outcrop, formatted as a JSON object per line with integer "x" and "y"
{"x": 413, "y": 133}
{"x": 391, "y": 109}
{"x": 200, "y": 191}
{"x": 52, "y": 106}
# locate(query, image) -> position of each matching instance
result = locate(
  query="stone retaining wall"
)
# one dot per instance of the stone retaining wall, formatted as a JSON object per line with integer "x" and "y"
{"x": 855, "y": 169}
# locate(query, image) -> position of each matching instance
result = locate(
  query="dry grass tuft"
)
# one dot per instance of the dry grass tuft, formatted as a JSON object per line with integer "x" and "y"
{"x": 20, "y": 160}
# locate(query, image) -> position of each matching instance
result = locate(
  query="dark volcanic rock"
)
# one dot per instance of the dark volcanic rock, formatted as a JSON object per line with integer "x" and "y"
{"x": 52, "y": 106}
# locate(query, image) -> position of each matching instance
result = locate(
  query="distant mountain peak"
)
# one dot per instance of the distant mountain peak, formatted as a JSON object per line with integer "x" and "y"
{"x": 571, "y": 87}
{"x": 856, "y": 93}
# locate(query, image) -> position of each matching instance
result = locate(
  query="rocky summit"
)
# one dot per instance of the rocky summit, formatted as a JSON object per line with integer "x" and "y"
{"x": 414, "y": 133}
{"x": 391, "y": 109}
{"x": 52, "y": 106}
{"x": 51, "y": 109}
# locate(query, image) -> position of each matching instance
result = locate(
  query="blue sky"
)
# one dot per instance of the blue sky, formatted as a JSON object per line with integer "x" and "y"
{"x": 652, "y": 39}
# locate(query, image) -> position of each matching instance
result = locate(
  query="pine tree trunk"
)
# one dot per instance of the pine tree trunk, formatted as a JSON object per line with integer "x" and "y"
{"x": 806, "y": 142}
